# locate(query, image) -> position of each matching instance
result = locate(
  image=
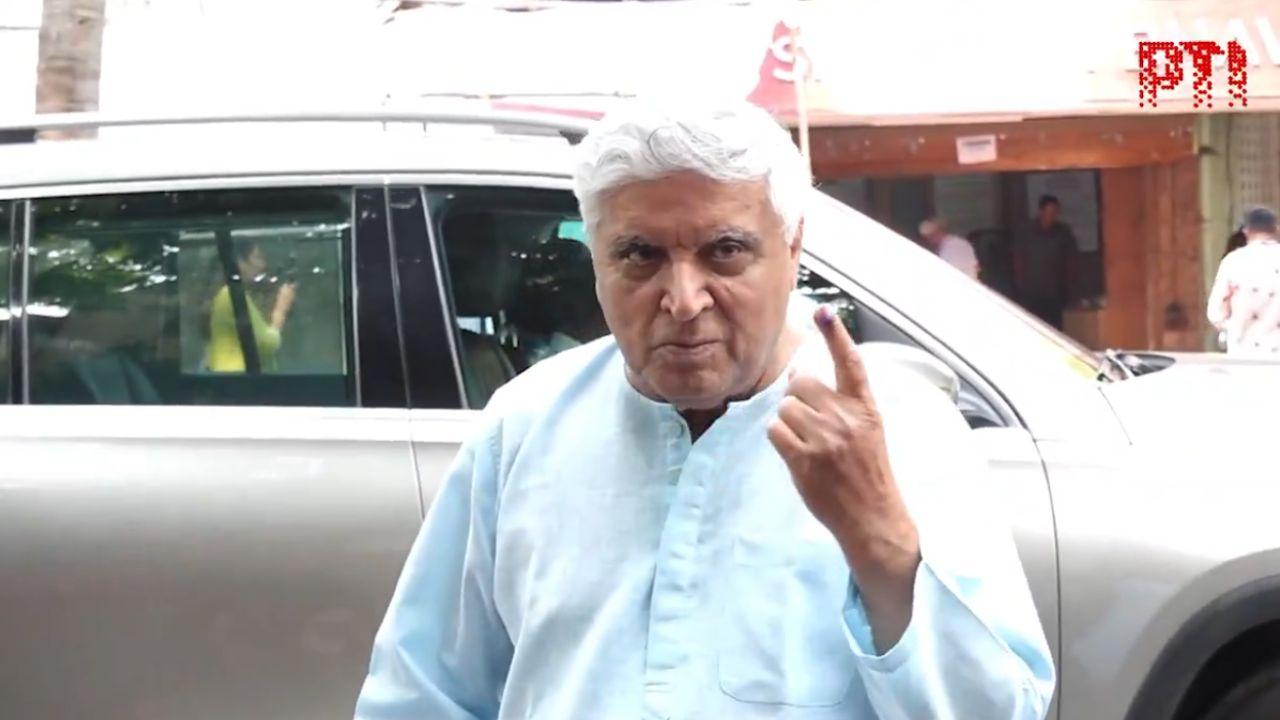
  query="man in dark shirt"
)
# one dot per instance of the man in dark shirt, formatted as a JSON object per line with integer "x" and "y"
{"x": 1042, "y": 258}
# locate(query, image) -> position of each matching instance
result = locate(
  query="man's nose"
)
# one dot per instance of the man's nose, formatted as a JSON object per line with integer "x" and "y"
{"x": 686, "y": 295}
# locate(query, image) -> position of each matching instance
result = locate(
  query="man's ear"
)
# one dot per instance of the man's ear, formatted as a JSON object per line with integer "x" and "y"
{"x": 796, "y": 243}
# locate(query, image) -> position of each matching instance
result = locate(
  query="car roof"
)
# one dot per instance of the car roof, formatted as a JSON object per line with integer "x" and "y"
{"x": 220, "y": 149}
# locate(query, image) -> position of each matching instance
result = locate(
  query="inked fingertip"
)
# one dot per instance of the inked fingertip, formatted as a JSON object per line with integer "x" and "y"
{"x": 824, "y": 316}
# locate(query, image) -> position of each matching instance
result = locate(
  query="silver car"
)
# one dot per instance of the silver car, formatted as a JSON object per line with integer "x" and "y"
{"x": 237, "y": 357}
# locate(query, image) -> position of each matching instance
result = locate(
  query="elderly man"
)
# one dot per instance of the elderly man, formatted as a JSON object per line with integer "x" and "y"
{"x": 713, "y": 512}
{"x": 954, "y": 249}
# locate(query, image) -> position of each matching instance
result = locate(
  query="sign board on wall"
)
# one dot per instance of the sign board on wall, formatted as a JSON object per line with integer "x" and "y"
{"x": 976, "y": 149}
{"x": 1111, "y": 57}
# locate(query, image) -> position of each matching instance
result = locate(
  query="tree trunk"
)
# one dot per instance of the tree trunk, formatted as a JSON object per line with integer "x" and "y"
{"x": 70, "y": 59}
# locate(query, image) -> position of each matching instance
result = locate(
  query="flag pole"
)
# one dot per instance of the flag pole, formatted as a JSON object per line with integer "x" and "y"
{"x": 800, "y": 76}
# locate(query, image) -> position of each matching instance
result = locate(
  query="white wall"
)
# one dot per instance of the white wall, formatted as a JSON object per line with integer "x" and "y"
{"x": 19, "y": 54}
{"x": 173, "y": 54}
{"x": 190, "y": 55}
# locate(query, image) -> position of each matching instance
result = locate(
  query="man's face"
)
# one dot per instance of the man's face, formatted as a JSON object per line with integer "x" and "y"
{"x": 693, "y": 276}
{"x": 932, "y": 235}
{"x": 1049, "y": 214}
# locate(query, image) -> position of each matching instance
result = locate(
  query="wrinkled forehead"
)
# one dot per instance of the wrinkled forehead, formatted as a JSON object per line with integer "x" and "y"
{"x": 687, "y": 202}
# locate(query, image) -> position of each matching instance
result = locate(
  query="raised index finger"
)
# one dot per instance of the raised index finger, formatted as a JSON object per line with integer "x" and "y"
{"x": 851, "y": 374}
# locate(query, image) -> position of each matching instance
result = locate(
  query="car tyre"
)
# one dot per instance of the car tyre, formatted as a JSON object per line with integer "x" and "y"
{"x": 1256, "y": 697}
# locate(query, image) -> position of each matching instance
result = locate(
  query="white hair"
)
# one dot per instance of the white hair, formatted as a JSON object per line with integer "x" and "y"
{"x": 928, "y": 226}
{"x": 734, "y": 142}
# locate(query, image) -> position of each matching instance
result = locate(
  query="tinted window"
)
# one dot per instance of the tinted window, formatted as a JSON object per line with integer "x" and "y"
{"x": 6, "y": 253}
{"x": 867, "y": 326}
{"x": 220, "y": 297}
{"x": 520, "y": 279}
{"x": 523, "y": 289}
{"x": 864, "y": 325}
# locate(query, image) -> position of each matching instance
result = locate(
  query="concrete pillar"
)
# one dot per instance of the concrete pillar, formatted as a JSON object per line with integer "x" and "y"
{"x": 1213, "y": 139}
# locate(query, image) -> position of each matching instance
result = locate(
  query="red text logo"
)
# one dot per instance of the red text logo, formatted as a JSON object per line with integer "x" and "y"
{"x": 1154, "y": 76}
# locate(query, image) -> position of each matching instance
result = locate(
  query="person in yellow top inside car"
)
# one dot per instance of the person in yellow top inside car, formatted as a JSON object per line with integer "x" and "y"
{"x": 224, "y": 353}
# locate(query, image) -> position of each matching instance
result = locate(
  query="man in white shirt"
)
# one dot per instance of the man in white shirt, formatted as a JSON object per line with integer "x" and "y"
{"x": 952, "y": 248}
{"x": 707, "y": 514}
{"x": 1245, "y": 300}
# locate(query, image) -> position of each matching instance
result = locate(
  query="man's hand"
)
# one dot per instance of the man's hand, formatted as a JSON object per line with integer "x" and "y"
{"x": 833, "y": 443}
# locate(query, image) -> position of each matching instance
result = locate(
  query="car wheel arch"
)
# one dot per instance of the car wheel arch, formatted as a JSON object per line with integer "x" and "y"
{"x": 1225, "y": 639}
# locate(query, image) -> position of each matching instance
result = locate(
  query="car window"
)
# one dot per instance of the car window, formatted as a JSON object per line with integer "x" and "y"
{"x": 207, "y": 297}
{"x": 520, "y": 280}
{"x": 522, "y": 288}
{"x": 866, "y": 325}
{"x": 6, "y": 251}
{"x": 863, "y": 324}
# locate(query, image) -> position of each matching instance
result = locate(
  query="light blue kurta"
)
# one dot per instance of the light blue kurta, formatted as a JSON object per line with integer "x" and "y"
{"x": 584, "y": 559}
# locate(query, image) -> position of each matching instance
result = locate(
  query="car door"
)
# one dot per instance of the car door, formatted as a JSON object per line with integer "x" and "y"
{"x": 207, "y": 489}
{"x": 8, "y": 224}
{"x": 882, "y": 273}
{"x": 501, "y": 277}
{"x": 517, "y": 285}
{"x": 1018, "y": 482}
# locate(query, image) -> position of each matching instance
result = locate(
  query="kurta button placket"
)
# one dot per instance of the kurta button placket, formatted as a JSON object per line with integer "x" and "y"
{"x": 679, "y": 567}
{"x": 672, "y": 619}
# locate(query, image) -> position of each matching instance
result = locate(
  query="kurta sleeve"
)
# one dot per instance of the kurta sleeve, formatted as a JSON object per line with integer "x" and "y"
{"x": 442, "y": 651}
{"x": 974, "y": 647}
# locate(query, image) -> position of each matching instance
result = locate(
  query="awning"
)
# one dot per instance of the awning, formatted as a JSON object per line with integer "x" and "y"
{"x": 908, "y": 62}
{"x": 1112, "y": 63}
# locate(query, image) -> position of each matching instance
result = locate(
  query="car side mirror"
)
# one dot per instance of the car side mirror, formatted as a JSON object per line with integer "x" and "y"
{"x": 913, "y": 359}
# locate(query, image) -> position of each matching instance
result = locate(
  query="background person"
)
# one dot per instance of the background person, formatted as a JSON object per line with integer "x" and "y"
{"x": 952, "y": 248}
{"x": 224, "y": 352}
{"x": 1245, "y": 300}
{"x": 1042, "y": 258}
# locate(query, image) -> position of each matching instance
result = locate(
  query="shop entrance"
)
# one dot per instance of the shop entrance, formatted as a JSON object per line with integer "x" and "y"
{"x": 997, "y": 213}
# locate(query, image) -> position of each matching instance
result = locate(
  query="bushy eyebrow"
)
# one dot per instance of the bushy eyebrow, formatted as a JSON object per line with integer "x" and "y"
{"x": 627, "y": 239}
{"x": 733, "y": 232}
{"x": 727, "y": 232}
{"x": 619, "y": 246}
